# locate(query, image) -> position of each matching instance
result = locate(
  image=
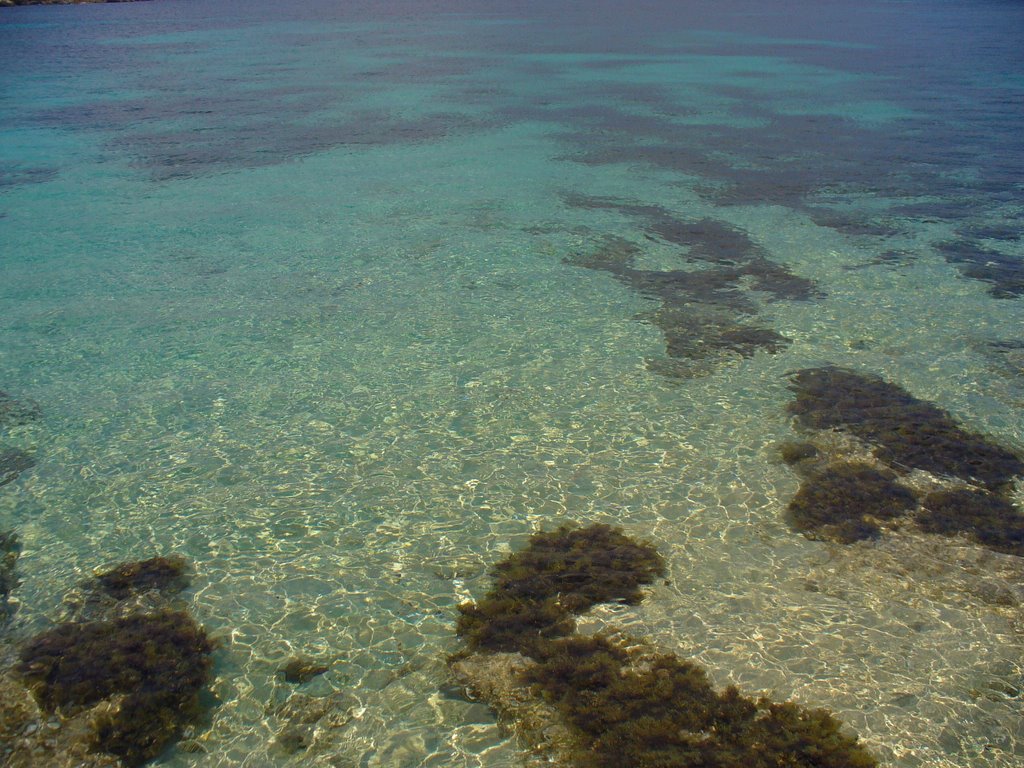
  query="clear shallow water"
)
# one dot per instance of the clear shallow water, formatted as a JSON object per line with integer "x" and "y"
{"x": 299, "y": 292}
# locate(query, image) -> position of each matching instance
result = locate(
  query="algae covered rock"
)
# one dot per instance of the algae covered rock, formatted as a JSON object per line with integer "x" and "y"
{"x": 10, "y": 550}
{"x": 989, "y": 519}
{"x": 155, "y": 664}
{"x": 908, "y": 433}
{"x": 559, "y": 574}
{"x": 12, "y": 463}
{"x": 846, "y": 501}
{"x": 601, "y": 702}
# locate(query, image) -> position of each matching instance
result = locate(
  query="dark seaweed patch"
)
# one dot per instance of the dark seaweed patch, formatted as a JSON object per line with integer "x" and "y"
{"x": 14, "y": 412}
{"x": 159, "y": 662}
{"x": 907, "y": 432}
{"x": 664, "y": 713}
{"x": 559, "y": 574}
{"x": 14, "y": 176}
{"x": 12, "y": 463}
{"x": 167, "y": 575}
{"x": 845, "y": 501}
{"x": 1004, "y": 273}
{"x": 10, "y": 550}
{"x": 990, "y": 519}
{"x": 793, "y": 452}
{"x": 701, "y": 311}
{"x": 625, "y": 707}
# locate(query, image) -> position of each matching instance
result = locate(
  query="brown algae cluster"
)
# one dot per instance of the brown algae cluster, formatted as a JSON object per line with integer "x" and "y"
{"x": 847, "y": 501}
{"x": 617, "y": 702}
{"x": 124, "y": 685}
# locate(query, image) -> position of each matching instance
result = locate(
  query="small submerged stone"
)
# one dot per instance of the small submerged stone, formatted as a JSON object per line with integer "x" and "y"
{"x": 302, "y": 669}
{"x": 846, "y": 501}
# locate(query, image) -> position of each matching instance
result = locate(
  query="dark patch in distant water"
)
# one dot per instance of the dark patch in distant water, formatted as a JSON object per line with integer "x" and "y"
{"x": 178, "y": 154}
{"x": 14, "y": 175}
{"x": 1004, "y": 273}
{"x": 700, "y": 313}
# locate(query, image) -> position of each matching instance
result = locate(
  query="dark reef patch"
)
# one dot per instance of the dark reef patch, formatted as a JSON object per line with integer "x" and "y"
{"x": 167, "y": 575}
{"x": 1003, "y": 272}
{"x": 703, "y": 310}
{"x": 12, "y": 463}
{"x": 158, "y": 662}
{"x": 559, "y": 574}
{"x": 845, "y": 502}
{"x": 990, "y": 519}
{"x": 14, "y": 412}
{"x": 613, "y": 702}
{"x": 907, "y": 433}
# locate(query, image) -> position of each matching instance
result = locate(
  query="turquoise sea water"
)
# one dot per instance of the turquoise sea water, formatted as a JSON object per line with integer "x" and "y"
{"x": 308, "y": 293}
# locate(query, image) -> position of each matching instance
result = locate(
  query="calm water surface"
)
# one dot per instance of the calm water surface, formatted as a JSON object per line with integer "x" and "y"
{"x": 343, "y": 300}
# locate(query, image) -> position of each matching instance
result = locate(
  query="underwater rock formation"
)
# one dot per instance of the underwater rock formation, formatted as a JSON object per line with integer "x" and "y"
{"x": 301, "y": 669}
{"x": 602, "y": 702}
{"x": 846, "y": 500}
{"x": 1003, "y": 273}
{"x": 703, "y": 311}
{"x": 907, "y": 433}
{"x": 151, "y": 667}
{"x": 12, "y": 463}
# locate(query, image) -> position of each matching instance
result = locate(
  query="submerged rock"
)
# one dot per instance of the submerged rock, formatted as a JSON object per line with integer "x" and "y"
{"x": 301, "y": 669}
{"x": 846, "y": 502}
{"x": 987, "y": 518}
{"x": 559, "y": 574}
{"x": 167, "y": 575}
{"x": 703, "y": 310}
